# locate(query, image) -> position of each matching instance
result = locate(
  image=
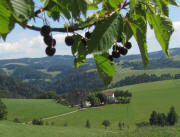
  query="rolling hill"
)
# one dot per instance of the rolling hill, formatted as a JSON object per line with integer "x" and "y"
{"x": 146, "y": 97}
{"x": 57, "y": 73}
{"x": 157, "y": 96}
{"x": 28, "y": 109}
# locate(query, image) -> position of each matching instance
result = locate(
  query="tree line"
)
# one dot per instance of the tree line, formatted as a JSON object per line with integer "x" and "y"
{"x": 161, "y": 119}
{"x": 143, "y": 78}
{"x": 153, "y": 64}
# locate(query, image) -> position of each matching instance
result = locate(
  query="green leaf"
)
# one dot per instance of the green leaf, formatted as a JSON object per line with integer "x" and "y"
{"x": 139, "y": 27}
{"x": 75, "y": 7}
{"x": 163, "y": 29}
{"x": 105, "y": 67}
{"x": 172, "y": 2}
{"x": 23, "y": 9}
{"x": 161, "y": 7}
{"x": 164, "y": 8}
{"x": 79, "y": 51}
{"x": 6, "y": 19}
{"x": 115, "y": 3}
{"x": 132, "y": 4}
{"x": 79, "y": 60}
{"x": 127, "y": 31}
{"x": 55, "y": 8}
{"x": 105, "y": 34}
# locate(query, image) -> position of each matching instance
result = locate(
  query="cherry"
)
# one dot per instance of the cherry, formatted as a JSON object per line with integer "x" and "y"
{"x": 128, "y": 45}
{"x": 69, "y": 40}
{"x": 123, "y": 51}
{"x": 88, "y": 34}
{"x": 45, "y": 30}
{"x": 110, "y": 57}
{"x": 50, "y": 51}
{"x": 115, "y": 54}
{"x": 49, "y": 41}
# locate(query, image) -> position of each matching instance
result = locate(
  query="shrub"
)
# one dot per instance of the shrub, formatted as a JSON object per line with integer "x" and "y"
{"x": 153, "y": 118}
{"x": 102, "y": 97}
{"x": 94, "y": 100}
{"x": 106, "y": 123}
{"x": 37, "y": 122}
{"x": 65, "y": 124}
{"x": 3, "y": 110}
{"x": 88, "y": 124}
{"x": 16, "y": 120}
{"x": 161, "y": 118}
{"x": 172, "y": 117}
{"x": 111, "y": 101}
{"x": 121, "y": 125}
{"x": 142, "y": 124}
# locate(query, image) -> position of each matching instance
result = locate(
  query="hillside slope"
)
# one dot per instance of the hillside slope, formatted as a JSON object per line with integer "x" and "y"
{"x": 159, "y": 96}
{"x": 58, "y": 72}
{"x": 11, "y": 88}
{"x": 28, "y": 109}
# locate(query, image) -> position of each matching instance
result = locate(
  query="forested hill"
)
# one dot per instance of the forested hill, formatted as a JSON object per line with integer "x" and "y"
{"x": 11, "y": 88}
{"x": 58, "y": 73}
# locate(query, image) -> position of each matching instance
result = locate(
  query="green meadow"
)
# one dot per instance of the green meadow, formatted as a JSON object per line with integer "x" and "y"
{"x": 9, "y": 129}
{"x": 159, "y": 96}
{"x": 27, "y": 109}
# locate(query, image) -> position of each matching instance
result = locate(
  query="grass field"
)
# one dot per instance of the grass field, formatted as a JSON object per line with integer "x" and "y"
{"x": 9, "y": 129}
{"x": 158, "y": 96}
{"x": 146, "y": 97}
{"x": 28, "y": 109}
{"x": 120, "y": 73}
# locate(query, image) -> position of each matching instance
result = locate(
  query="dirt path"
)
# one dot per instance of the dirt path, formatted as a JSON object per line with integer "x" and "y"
{"x": 59, "y": 115}
{"x": 63, "y": 114}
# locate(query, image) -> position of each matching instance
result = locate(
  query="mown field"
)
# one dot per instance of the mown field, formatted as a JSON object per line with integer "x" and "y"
{"x": 159, "y": 96}
{"x": 9, "y": 129}
{"x": 27, "y": 109}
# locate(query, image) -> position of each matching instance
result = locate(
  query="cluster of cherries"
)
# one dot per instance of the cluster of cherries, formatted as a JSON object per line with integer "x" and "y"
{"x": 119, "y": 50}
{"x": 48, "y": 40}
{"x": 69, "y": 40}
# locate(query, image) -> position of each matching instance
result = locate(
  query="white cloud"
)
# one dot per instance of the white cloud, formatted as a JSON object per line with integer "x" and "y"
{"x": 34, "y": 46}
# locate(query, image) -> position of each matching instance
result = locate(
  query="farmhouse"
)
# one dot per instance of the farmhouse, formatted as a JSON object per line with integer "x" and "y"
{"x": 109, "y": 94}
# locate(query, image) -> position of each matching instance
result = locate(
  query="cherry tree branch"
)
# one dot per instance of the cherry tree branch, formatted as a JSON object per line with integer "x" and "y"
{"x": 70, "y": 29}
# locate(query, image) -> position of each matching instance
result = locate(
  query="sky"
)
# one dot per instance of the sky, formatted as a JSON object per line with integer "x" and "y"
{"x": 25, "y": 43}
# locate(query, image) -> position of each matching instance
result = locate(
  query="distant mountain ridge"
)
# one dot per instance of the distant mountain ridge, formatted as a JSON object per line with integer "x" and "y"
{"x": 155, "y": 54}
{"x": 58, "y": 73}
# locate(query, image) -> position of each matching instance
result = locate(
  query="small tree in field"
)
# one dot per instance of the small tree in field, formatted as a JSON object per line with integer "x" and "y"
{"x": 37, "y": 122}
{"x": 172, "y": 117}
{"x": 106, "y": 123}
{"x": 88, "y": 124}
{"x": 153, "y": 118}
{"x": 3, "y": 110}
{"x": 121, "y": 125}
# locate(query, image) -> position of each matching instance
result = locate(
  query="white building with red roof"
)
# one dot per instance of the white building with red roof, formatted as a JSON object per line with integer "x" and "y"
{"x": 109, "y": 94}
